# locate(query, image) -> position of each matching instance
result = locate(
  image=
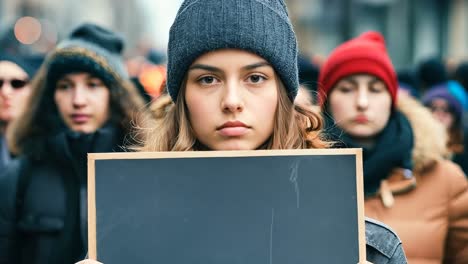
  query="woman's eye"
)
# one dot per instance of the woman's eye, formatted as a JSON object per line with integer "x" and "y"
{"x": 376, "y": 89}
{"x": 95, "y": 83}
{"x": 63, "y": 86}
{"x": 207, "y": 80}
{"x": 256, "y": 78}
{"x": 344, "y": 89}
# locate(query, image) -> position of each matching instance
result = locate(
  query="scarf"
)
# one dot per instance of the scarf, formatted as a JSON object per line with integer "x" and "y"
{"x": 392, "y": 149}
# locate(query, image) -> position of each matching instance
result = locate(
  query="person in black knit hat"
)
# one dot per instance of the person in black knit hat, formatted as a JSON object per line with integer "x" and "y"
{"x": 82, "y": 102}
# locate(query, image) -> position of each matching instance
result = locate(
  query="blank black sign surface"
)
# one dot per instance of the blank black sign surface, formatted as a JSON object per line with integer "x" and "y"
{"x": 223, "y": 210}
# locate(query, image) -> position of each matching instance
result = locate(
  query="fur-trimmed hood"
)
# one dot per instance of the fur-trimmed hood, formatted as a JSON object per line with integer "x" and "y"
{"x": 430, "y": 137}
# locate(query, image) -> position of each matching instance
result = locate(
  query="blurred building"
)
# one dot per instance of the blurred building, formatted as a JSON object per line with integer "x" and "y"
{"x": 414, "y": 29}
{"x": 58, "y": 17}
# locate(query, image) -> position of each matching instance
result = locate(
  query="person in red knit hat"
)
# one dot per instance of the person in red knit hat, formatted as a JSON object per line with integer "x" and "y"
{"x": 365, "y": 54}
{"x": 408, "y": 183}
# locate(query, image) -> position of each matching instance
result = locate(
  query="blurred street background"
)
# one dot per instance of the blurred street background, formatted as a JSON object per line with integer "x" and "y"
{"x": 414, "y": 29}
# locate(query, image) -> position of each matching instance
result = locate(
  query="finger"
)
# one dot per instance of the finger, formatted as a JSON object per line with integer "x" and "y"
{"x": 89, "y": 261}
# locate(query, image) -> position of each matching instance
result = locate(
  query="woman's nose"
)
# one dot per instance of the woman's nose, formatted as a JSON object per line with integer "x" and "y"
{"x": 362, "y": 100}
{"x": 232, "y": 100}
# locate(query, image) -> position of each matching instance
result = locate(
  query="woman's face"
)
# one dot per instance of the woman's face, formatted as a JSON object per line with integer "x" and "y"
{"x": 14, "y": 90}
{"x": 83, "y": 102}
{"x": 361, "y": 105}
{"x": 231, "y": 96}
{"x": 440, "y": 109}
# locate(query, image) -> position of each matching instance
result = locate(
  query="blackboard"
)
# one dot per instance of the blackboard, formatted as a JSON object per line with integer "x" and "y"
{"x": 242, "y": 207}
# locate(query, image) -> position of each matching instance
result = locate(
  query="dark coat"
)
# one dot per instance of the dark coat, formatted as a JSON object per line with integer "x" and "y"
{"x": 429, "y": 211}
{"x": 43, "y": 203}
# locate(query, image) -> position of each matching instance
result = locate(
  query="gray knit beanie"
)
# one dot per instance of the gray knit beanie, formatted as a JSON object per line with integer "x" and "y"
{"x": 258, "y": 26}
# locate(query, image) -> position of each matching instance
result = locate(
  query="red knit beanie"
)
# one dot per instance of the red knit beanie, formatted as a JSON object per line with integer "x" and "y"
{"x": 364, "y": 54}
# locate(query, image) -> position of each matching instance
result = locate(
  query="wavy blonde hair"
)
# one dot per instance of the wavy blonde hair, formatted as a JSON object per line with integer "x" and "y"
{"x": 296, "y": 126}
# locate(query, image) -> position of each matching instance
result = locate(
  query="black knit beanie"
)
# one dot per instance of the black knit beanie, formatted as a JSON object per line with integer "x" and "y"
{"x": 258, "y": 26}
{"x": 89, "y": 48}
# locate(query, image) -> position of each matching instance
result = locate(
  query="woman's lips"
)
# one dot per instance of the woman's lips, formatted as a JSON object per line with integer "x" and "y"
{"x": 361, "y": 119}
{"x": 233, "y": 129}
{"x": 80, "y": 118}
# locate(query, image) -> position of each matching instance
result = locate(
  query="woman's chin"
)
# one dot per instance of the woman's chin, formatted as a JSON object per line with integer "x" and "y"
{"x": 233, "y": 146}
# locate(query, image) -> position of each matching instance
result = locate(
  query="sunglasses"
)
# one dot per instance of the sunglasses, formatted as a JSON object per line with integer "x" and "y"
{"x": 15, "y": 83}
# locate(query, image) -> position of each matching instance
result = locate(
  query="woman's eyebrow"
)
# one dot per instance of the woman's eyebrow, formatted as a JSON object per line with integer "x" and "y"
{"x": 214, "y": 69}
{"x": 374, "y": 80}
{"x": 64, "y": 79}
{"x": 256, "y": 65}
{"x": 92, "y": 78}
{"x": 350, "y": 80}
{"x": 205, "y": 67}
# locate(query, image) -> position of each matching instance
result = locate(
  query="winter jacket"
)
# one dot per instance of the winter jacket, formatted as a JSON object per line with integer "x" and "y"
{"x": 429, "y": 210}
{"x": 43, "y": 203}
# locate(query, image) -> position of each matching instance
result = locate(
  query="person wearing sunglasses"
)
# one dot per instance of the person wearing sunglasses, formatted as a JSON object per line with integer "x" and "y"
{"x": 15, "y": 88}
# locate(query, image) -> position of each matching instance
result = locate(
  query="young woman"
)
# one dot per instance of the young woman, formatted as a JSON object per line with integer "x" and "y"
{"x": 233, "y": 81}
{"x": 408, "y": 184}
{"x": 15, "y": 88}
{"x": 81, "y": 102}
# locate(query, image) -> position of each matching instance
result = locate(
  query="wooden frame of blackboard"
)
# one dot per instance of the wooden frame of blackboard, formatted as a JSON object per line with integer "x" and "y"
{"x": 92, "y": 157}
